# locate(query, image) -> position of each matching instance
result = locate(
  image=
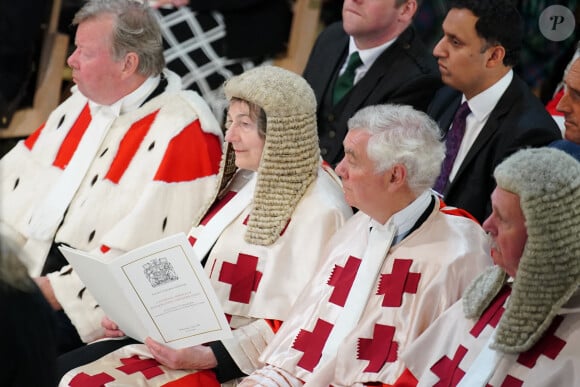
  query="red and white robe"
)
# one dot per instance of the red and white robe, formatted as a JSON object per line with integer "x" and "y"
{"x": 154, "y": 171}
{"x": 257, "y": 285}
{"x": 420, "y": 277}
{"x": 443, "y": 355}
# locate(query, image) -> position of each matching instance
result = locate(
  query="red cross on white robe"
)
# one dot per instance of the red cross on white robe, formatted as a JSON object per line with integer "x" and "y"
{"x": 380, "y": 349}
{"x": 86, "y": 380}
{"x": 148, "y": 367}
{"x": 398, "y": 282}
{"x": 549, "y": 345}
{"x": 243, "y": 277}
{"x": 493, "y": 313}
{"x": 448, "y": 369}
{"x": 510, "y": 381}
{"x": 312, "y": 343}
{"x": 342, "y": 279}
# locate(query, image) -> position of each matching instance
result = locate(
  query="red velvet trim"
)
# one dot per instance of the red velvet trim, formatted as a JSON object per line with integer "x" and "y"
{"x": 551, "y": 105}
{"x": 190, "y": 155}
{"x": 73, "y": 138}
{"x": 455, "y": 211}
{"x": 274, "y": 324}
{"x": 31, "y": 140}
{"x": 128, "y": 147}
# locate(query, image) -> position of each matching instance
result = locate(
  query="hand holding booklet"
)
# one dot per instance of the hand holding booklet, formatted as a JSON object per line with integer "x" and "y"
{"x": 158, "y": 290}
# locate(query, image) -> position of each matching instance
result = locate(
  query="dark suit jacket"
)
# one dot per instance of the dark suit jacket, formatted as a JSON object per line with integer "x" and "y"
{"x": 406, "y": 73}
{"x": 519, "y": 120}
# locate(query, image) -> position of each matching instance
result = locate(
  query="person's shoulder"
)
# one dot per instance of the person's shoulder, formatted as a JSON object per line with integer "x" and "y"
{"x": 179, "y": 108}
{"x": 325, "y": 194}
{"x": 455, "y": 220}
{"x": 524, "y": 110}
{"x": 522, "y": 97}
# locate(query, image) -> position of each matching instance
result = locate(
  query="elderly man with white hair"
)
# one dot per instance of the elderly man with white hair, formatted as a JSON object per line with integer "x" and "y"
{"x": 389, "y": 271}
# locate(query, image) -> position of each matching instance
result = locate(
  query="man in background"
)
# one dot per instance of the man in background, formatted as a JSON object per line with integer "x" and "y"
{"x": 486, "y": 111}
{"x": 388, "y": 64}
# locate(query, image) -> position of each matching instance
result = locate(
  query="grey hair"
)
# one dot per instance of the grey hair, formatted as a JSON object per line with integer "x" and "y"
{"x": 402, "y": 135}
{"x": 135, "y": 30}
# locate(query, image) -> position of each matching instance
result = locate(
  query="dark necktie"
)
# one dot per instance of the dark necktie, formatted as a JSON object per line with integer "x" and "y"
{"x": 345, "y": 82}
{"x": 452, "y": 144}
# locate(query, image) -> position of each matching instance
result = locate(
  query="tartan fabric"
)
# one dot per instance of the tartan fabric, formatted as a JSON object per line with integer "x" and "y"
{"x": 193, "y": 45}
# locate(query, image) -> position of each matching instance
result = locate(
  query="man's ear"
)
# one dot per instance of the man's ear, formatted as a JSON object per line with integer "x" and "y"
{"x": 131, "y": 63}
{"x": 496, "y": 55}
{"x": 397, "y": 175}
{"x": 407, "y": 10}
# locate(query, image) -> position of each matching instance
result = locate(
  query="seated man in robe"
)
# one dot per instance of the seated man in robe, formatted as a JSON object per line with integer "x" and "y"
{"x": 127, "y": 159}
{"x": 389, "y": 271}
{"x": 518, "y": 323}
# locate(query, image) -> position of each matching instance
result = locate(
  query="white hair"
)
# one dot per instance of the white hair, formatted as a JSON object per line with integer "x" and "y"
{"x": 402, "y": 135}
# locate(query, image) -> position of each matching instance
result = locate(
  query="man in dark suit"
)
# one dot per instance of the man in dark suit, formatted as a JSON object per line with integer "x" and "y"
{"x": 480, "y": 45}
{"x": 396, "y": 66}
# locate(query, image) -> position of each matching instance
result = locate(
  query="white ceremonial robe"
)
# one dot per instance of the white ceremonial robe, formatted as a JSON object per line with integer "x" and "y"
{"x": 156, "y": 168}
{"x": 446, "y": 351}
{"x": 277, "y": 275}
{"x": 419, "y": 278}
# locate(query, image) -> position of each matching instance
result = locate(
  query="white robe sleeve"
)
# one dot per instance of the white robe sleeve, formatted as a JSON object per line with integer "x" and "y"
{"x": 78, "y": 304}
{"x": 248, "y": 343}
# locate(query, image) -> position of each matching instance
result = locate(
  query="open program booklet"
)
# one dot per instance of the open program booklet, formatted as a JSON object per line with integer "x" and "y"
{"x": 158, "y": 290}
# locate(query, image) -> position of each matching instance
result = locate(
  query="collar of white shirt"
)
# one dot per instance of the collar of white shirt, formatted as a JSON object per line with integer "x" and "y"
{"x": 368, "y": 57}
{"x": 131, "y": 101}
{"x": 405, "y": 219}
